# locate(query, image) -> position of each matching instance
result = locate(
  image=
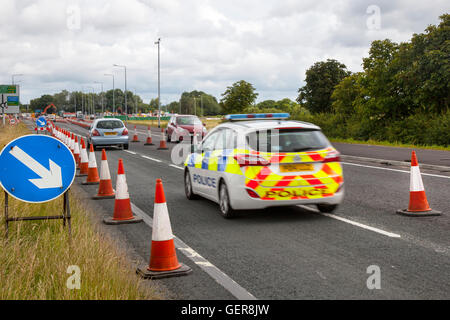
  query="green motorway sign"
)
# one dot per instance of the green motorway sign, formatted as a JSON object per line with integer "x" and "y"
{"x": 7, "y": 89}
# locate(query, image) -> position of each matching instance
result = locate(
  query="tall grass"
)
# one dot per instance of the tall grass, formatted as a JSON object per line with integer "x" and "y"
{"x": 35, "y": 258}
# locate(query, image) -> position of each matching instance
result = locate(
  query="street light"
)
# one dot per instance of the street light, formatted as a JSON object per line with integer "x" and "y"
{"x": 92, "y": 100}
{"x": 159, "y": 98}
{"x": 117, "y": 65}
{"x": 114, "y": 105}
{"x": 101, "y": 83}
{"x": 15, "y": 75}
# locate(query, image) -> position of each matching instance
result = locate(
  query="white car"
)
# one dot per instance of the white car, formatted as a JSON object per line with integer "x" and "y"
{"x": 256, "y": 161}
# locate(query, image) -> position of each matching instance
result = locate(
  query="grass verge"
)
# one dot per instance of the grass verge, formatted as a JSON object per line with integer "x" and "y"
{"x": 36, "y": 256}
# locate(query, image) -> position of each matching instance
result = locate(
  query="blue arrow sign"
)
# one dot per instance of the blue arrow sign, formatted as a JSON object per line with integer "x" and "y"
{"x": 41, "y": 122}
{"x": 36, "y": 168}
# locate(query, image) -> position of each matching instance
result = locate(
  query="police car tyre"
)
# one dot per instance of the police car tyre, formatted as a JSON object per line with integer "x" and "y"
{"x": 224, "y": 202}
{"x": 327, "y": 208}
{"x": 188, "y": 186}
{"x": 125, "y": 146}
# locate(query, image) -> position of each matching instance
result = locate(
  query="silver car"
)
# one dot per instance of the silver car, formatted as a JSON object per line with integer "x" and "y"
{"x": 108, "y": 132}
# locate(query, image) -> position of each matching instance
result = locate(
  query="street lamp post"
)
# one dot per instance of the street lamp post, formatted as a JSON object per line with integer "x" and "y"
{"x": 114, "y": 105}
{"x": 92, "y": 100}
{"x": 101, "y": 83}
{"x": 125, "y": 68}
{"x": 159, "y": 98}
{"x": 15, "y": 75}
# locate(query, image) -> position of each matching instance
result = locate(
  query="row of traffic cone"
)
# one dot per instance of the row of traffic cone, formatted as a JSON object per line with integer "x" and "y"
{"x": 149, "y": 142}
{"x": 163, "y": 259}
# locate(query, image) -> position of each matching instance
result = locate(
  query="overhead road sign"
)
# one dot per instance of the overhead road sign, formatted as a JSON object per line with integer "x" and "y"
{"x": 36, "y": 168}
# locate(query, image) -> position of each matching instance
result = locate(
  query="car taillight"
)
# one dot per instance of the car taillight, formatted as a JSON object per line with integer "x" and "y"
{"x": 125, "y": 132}
{"x": 252, "y": 193}
{"x": 95, "y": 133}
{"x": 250, "y": 160}
{"x": 332, "y": 157}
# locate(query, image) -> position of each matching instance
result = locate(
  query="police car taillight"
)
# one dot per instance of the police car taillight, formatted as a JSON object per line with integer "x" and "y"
{"x": 250, "y": 160}
{"x": 252, "y": 193}
{"x": 333, "y": 156}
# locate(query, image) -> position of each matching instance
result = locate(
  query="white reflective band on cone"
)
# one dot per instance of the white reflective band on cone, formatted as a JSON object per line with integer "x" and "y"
{"x": 104, "y": 170}
{"x": 121, "y": 187}
{"x": 76, "y": 149}
{"x": 415, "y": 183}
{"x": 92, "y": 160}
{"x": 83, "y": 155}
{"x": 162, "y": 231}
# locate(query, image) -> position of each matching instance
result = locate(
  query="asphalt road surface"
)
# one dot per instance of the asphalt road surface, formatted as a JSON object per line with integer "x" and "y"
{"x": 296, "y": 252}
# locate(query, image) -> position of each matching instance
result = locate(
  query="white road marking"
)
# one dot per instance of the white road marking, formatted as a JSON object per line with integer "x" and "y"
{"x": 396, "y": 170}
{"x": 219, "y": 276}
{"x": 130, "y": 151}
{"x": 357, "y": 224}
{"x": 174, "y": 166}
{"x": 153, "y": 159}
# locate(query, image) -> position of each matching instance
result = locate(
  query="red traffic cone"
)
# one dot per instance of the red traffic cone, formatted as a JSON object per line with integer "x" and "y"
{"x": 105, "y": 189}
{"x": 76, "y": 152}
{"x": 162, "y": 142}
{"x": 84, "y": 162}
{"x": 149, "y": 137}
{"x": 92, "y": 177}
{"x": 163, "y": 257}
{"x": 135, "y": 136}
{"x": 418, "y": 204}
{"x": 122, "y": 205}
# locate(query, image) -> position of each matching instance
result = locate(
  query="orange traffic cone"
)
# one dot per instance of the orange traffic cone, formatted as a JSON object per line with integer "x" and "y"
{"x": 72, "y": 143}
{"x": 162, "y": 142}
{"x": 84, "y": 162}
{"x": 76, "y": 152}
{"x": 92, "y": 177}
{"x": 122, "y": 205}
{"x": 163, "y": 257}
{"x": 105, "y": 189}
{"x": 149, "y": 137}
{"x": 135, "y": 136}
{"x": 418, "y": 204}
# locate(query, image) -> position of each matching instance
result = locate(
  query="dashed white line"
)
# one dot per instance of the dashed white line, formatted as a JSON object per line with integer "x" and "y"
{"x": 152, "y": 159}
{"x": 357, "y": 224}
{"x": 174, "y": 166}
{"x": 130, "y": 151}
{"x": 218, "y": 275}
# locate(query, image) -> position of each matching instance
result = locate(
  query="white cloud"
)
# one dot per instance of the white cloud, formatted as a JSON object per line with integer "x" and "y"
{"x": 206, "y": 45}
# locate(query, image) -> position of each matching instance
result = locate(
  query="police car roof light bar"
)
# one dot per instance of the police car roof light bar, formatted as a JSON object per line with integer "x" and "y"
{"x": 257, "y": 116}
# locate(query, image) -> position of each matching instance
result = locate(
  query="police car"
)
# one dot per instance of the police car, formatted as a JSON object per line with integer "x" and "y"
{"x": 256, "y": 161}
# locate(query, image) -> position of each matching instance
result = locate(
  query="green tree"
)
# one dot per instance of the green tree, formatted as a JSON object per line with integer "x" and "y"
{"x": 321, "y": 78}
{"x": 238, "y": 97}
{"x": 347, "y": 94}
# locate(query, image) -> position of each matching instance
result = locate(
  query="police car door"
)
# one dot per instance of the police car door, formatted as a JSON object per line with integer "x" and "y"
{"x": 203, "y": 179}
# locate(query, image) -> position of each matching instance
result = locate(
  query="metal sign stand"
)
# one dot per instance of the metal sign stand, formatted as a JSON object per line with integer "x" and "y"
{"x": 65, "y": 216}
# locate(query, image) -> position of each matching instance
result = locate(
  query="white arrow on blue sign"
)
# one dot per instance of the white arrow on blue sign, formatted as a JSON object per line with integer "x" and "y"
{"x": 41, "y": 122}
{"x": 36, "y": 168}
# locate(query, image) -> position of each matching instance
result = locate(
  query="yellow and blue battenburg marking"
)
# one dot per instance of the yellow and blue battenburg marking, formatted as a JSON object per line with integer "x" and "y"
{"x": 269, "y": 185}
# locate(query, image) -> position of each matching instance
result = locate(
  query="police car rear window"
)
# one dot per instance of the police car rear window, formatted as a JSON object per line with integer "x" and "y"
{"x": 109, "y": 124}
{"x": 287, "y": 140}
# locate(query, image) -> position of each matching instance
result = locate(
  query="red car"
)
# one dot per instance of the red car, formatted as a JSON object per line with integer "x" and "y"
{"x": 181, "y": 127}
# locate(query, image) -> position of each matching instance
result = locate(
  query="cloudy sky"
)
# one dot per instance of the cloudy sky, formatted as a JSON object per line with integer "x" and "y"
{"x": 205, "y": 44}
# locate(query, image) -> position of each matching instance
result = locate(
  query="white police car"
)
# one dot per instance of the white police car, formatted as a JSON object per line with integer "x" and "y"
{"x": 256, "y": 161}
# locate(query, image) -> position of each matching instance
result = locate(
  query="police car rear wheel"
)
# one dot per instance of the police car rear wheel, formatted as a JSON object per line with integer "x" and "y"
{"x": 327, "y": 208}
{"x": 224, "y": 202}
{"x": 188, "y": 186}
